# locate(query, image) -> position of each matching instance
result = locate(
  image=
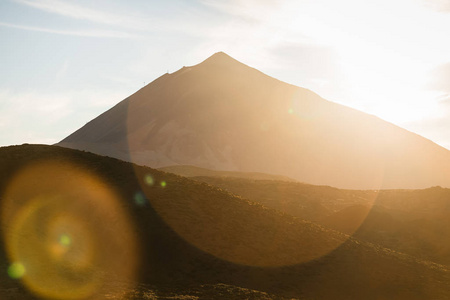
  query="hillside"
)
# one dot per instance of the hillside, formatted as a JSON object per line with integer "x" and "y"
{"x": 409, "y": 221}
{"x": 182, "y": 236}
{"x": 192, "y": 171}
{"x": 223, "y": 115}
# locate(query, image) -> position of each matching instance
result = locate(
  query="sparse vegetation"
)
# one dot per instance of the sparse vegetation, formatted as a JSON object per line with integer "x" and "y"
{"x": 200, "y": 241}
{"x": 410, "y": 221}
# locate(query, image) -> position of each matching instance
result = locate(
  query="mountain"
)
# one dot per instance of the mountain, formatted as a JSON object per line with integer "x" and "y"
{"x": 76, "y": 225}
{"x": 224, "y": 115}
{"x": 192, "y": 171}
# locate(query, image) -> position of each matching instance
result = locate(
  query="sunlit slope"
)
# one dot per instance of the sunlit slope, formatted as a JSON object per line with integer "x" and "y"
{"x": 409, "y": 221}
{"x": 191, "y": 234}
{"x": 224, "y": 115}
{"x": 192, "y": 171}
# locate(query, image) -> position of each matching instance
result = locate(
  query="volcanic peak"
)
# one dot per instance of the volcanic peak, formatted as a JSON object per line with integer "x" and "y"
{"x": 221, "y": 59}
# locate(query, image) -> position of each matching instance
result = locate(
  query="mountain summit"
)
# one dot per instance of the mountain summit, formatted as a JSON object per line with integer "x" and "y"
{"x": 224, "y": 115}
{"x": 220, "y": 58}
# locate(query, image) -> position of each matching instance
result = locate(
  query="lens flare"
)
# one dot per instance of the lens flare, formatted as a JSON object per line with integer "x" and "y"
{"x": 229, "y": 228}
{"x": 66, "y": 232}
{"x": 64, "y": 240}
{"x": 149, "y": 180}
{"x": 16, "y": 270}
{"x": 139, "y": 199}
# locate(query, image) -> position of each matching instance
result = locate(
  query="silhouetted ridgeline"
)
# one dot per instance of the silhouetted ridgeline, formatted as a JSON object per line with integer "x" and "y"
{"x": 192, "y": 239}
{"x": 226, "y": 116}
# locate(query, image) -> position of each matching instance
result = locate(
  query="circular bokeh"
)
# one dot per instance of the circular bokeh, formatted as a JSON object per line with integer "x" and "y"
{"x": 65, "y": 232}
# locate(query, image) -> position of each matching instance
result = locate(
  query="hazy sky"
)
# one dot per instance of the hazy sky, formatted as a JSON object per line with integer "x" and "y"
{"x": 62, "y": 63}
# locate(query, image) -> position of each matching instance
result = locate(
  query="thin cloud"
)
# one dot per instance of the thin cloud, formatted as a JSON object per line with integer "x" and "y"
{"x": 79, "y": 12}
{"x": 133, "y": 20}
{"x": 71, "y": 10}
{"x": 250, "y": 10}
{"x": 83, "y": 33}
{"x": 439, "y": 5}
{"x": 27, "y": 116}
{"x": 439, "y": 82}
{"x": 316, "y": 61}
{"x": 441, "y": 78}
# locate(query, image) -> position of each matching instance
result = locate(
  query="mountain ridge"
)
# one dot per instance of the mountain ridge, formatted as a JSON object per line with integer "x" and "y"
{"x": 223, "y": 115}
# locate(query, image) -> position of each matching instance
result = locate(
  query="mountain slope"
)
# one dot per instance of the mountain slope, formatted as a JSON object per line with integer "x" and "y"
{"x": 191, "y": 237}
{"x": 192, "y": 171}
{"x": 224, "y": 115}
{"x": 408, "y": 221}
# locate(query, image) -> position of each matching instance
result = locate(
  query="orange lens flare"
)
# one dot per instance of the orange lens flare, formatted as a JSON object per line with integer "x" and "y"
{"x": 66, "y": 233}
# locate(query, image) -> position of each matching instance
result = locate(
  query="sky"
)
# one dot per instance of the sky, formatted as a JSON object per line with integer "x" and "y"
{"x": 62, "y": 63}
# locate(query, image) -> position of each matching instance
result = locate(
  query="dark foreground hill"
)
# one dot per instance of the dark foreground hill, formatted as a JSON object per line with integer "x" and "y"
{"x": 410, "y": 221}
{"x": 78, "y": 225}
{"x": 224, "y": 115}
